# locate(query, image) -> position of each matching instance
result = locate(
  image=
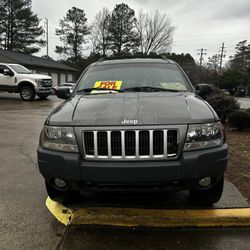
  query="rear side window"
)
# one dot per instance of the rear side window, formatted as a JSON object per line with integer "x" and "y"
{"x": 2, "y": 68}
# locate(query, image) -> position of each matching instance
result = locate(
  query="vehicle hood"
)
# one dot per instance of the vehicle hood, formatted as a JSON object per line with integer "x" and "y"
{"x": 34, "y": 76}
{"x": 146, "y": 108}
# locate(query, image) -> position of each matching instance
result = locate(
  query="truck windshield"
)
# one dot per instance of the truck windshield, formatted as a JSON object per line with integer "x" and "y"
{"x": 134, "y": 77}
{"x": 19, "y": 69}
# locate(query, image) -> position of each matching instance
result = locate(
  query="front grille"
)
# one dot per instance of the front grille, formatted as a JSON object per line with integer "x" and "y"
{"x": 131, "y": 144}
{"x": 46, "y": 83}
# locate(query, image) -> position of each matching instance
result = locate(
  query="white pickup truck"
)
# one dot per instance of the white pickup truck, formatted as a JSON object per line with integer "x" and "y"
{"x": 15, "y": 78}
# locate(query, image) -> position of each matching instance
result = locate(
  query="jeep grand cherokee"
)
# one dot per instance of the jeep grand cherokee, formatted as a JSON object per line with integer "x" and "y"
{"x": 133, "y": 125}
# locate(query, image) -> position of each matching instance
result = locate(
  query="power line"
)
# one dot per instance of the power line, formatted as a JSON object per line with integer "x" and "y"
{"x": 221, "y": 34}
{"x": 230, "y": 44}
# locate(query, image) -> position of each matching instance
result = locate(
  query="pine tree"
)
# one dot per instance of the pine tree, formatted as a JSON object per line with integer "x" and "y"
{"x": 123, "y": 37}
{"x": 72, "y": 32}
{"x": 241, "y": 59}
{"x": 20, "y": 28}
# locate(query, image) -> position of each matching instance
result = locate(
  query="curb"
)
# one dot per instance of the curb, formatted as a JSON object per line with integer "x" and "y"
{"x": 61, "y": 213}
{"x": 158, "y": 218}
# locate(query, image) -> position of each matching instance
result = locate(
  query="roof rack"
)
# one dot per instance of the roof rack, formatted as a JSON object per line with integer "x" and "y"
{"x": 105, "y": 58}
{"x": 101, "y": 59}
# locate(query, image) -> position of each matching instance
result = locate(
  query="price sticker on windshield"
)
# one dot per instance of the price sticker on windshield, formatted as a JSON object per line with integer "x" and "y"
{"x": 116, "y": 85}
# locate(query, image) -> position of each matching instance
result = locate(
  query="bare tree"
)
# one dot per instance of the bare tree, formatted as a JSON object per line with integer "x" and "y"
{"x": 100, "y": 32}
{"x": 156, "y": 32}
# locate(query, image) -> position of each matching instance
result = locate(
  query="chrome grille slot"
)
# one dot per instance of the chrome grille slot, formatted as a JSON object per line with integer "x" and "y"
{"x": 102, "y": 143}
{"x": 131, "y": 144}
{"x": 116, "y": 143}
{"x": 89, "y": 142}
{"x": 172, "y": 142}
{"x": 144, "y": 148}
{"x": 158, "y": 142}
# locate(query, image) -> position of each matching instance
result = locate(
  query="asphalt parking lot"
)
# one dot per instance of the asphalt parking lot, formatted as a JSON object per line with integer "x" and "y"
{"x": 26, "y": 223}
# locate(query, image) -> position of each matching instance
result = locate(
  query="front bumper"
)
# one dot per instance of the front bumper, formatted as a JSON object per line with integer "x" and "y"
{"x": 43, "y": 90}
{"x": 180, "y": 174}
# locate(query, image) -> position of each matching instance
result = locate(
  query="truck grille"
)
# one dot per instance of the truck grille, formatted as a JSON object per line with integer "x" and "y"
{"x": 46, "y": 83}
{"x": 131, "y": 144}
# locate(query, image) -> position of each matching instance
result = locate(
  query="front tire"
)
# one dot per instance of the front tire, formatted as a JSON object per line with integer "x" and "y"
{"x": 60, "y": 196}
{"x": 27, "y": 93}
{"x": 207, "y": 196}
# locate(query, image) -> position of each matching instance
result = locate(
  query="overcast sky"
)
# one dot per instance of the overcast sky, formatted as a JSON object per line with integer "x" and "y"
{"x": 199, "y": 23}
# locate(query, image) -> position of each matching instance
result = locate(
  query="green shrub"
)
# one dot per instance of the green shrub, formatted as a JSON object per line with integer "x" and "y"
{"x": 223, "y": 105}
{"x": 247, "y": 110}
{"x": 239, "y": 120}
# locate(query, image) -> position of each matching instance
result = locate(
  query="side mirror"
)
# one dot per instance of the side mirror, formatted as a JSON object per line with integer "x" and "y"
{"x": 8, "y": 72}
{"x": 203, "y": 89}
{"x": 63, "y": 92}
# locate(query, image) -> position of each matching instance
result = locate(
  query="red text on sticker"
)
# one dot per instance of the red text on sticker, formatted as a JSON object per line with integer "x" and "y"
{"x": 108, "y": 85}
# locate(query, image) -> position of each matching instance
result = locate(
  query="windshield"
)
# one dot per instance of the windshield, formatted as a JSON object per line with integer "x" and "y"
{"x": 135, "y": 76}
{"x": 19, "y": 69}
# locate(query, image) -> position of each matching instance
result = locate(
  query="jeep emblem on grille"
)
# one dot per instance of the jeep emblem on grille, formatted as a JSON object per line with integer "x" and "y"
{"x": 129, "y": 122}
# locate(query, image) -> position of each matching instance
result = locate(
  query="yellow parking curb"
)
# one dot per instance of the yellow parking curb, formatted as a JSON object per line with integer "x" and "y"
{"x": 140, "y": 217}
{"x": 62, "y": 214}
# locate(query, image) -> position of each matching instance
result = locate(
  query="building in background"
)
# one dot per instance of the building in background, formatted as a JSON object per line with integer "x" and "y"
{"x": 59, "y": 72}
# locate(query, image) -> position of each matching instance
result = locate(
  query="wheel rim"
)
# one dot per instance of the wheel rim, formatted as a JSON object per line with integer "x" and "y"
{"x": 26, "y": 94}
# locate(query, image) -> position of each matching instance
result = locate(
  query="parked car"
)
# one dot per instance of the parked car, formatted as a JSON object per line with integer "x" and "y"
{"x": 69, "y": 85}
{"x": 15, "y": 78}
{"x": 134, "y": 125}
{"x": 226, "y": 92}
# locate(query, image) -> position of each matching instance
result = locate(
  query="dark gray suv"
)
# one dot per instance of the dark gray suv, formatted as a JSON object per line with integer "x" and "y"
{"x": 133, "y": 125}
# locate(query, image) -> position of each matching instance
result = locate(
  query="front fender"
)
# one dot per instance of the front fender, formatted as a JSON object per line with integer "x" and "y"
{"x": 26, "y": 81}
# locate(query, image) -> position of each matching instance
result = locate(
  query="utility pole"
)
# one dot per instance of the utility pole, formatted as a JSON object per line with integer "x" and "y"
{"x": 201, "y": 52}
{"x": 222, "y": 54}
{"x": 47, "y": 35}
{"x": 5, "y": 43}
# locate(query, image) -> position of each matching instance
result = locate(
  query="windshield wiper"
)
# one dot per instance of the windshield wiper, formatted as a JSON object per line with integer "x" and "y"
{"x": 88, "y": 90}
{"x": 132, "y": 89}
{"x": 149, "y": 89}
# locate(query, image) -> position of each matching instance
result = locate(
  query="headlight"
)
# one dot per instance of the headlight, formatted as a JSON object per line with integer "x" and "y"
{"x": 59, "y": 139}
{"x": 200, "y": 136}
{"x": 38, "y": 82}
